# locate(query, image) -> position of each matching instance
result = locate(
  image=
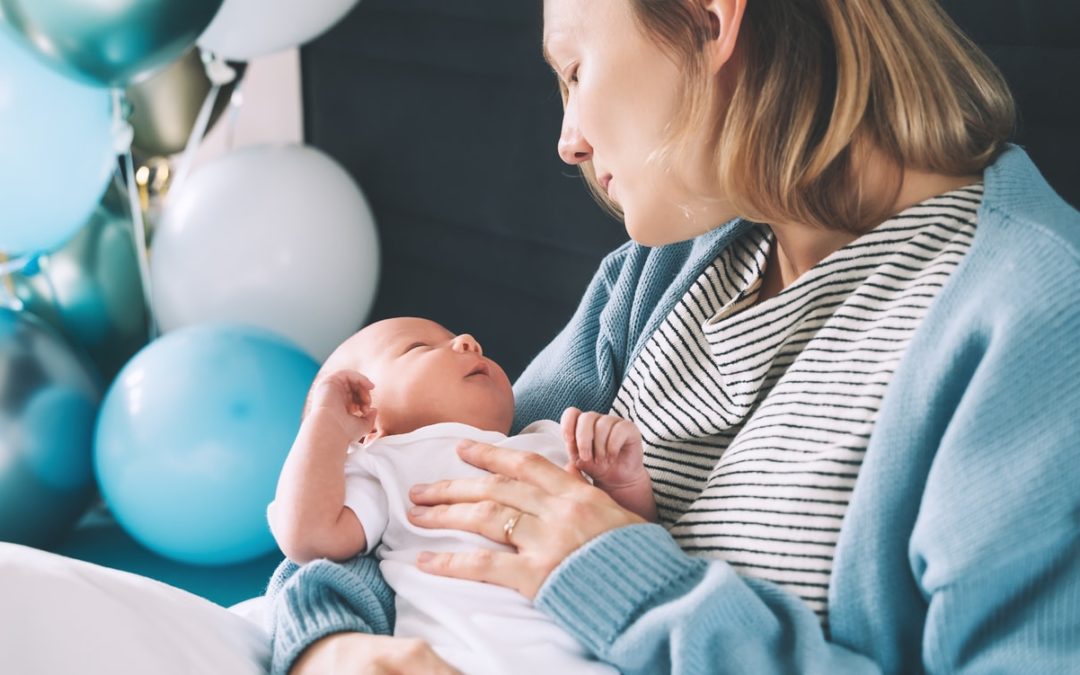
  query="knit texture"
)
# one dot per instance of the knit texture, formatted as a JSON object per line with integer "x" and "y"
{"x": 959, "y": 551}
{"x": 321, "y": 598}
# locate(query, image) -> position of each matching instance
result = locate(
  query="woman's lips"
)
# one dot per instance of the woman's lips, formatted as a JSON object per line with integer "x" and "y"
{"x": 605, "y": 180}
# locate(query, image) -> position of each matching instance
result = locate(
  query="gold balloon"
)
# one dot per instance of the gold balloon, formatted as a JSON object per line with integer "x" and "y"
{"x": 165, "y": 106}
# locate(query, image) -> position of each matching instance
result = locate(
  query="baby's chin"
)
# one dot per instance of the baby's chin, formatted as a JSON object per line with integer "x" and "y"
{"x": 489, "y": 421}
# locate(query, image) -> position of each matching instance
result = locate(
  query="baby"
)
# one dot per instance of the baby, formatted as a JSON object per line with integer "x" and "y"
{"x": 364, "y": 442}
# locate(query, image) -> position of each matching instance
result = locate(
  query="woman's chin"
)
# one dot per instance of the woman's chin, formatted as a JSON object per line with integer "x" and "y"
{"x": 649, "y": 232}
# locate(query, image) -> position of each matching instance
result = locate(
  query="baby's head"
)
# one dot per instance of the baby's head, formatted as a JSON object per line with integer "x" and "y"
{"x": 424, "y": 374}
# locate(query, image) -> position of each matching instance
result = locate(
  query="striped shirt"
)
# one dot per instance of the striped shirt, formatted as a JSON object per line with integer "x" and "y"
{"x": 755, "y": 417}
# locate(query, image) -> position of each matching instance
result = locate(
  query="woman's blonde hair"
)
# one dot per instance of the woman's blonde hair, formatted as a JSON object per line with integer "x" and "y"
{"x": 816, "y": 82}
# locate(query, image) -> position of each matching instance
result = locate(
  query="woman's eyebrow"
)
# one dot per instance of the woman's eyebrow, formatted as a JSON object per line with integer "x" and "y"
{"x": 550, "y": 38}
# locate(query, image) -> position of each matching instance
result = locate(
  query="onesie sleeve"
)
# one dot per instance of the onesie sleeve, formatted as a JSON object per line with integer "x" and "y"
{"x": 365, "y": 495}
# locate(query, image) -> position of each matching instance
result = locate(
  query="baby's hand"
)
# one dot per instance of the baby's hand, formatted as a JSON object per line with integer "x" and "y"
{"x": 606, "y": 447}
{"x": 345, "y": 397}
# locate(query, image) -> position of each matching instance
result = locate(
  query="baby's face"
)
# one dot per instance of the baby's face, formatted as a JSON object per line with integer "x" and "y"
{"x": 424, "y": 374}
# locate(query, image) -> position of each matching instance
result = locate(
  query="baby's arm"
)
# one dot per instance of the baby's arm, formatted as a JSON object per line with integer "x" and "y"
{"x": 309, "y": 518}
{"x": 608, "y": 448}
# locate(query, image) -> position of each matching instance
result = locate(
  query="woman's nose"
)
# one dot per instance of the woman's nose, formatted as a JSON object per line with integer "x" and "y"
{"x": 466, "y": 343}
{"x": 573, "y": 148}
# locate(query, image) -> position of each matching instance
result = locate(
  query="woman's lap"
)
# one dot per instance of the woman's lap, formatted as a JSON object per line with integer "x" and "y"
{"x": 63, "y": 615}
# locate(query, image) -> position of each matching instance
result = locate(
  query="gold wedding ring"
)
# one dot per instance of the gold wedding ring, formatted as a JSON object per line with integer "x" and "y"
{"x": 508, "y": 526}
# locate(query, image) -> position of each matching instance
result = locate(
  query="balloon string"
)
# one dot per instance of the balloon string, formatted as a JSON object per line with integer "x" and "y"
{"x": 139, "y": 236}
{"x": 197, "y": 133}
{"x": 8, "y": 298}
{"x": 220, "y": 74}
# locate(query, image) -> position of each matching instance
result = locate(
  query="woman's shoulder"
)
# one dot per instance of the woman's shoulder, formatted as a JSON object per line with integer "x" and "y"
{"x": 1024, "y": 221}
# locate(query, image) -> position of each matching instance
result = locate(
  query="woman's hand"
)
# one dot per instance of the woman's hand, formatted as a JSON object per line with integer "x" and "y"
{"x": 543, "y": 511}
{"x": 373, "y": 654}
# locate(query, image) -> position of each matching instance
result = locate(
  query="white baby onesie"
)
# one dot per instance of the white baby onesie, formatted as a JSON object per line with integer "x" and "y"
{"x": 479, "y": 628}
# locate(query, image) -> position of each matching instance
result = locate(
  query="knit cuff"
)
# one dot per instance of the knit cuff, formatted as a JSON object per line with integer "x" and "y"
{"x": 603, "y": 586}
{"x": 323, "y": 598}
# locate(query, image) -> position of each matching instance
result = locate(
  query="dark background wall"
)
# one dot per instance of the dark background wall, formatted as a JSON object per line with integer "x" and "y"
{"x": 446, "y": 115}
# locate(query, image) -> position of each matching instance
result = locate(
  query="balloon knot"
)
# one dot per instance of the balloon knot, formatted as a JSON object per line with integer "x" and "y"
{"x": 218, "y": 70}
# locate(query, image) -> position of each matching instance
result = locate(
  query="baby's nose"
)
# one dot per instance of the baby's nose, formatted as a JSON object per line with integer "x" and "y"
{"x": 467, "y": 343}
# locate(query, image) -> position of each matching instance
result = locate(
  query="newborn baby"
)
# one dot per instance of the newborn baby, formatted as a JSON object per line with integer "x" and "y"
{"x": 385, "y": 412}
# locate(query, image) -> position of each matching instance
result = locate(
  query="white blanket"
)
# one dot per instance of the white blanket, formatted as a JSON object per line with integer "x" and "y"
{"x": 59, "y": 615}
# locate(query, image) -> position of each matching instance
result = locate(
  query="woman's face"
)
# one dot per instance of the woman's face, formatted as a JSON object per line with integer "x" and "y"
{"x": 622, "y": 93}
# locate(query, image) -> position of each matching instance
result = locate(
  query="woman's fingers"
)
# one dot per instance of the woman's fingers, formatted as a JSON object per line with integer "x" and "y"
{"x": 494, "y": 488}
{"x": 526, "y": 467}
{"x": 364, "y": 653}
{"x": 499, "y": 523}
{"x": 494, "y": 567}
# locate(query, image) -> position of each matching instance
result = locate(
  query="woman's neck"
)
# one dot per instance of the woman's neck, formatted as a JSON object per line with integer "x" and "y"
{"x": 798, "y": 248}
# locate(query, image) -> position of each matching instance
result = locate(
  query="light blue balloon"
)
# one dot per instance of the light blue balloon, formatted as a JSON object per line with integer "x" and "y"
{"x": 56, "y": 150}
{"x": 191, "y": 438}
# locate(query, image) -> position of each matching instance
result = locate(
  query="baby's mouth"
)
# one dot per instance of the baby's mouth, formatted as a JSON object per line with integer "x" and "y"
{"x": 480, "y": 369}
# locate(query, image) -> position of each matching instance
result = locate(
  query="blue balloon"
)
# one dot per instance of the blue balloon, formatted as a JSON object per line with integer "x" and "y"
{"x": 191, "y": 438}
{"x": 56, "y": 150}
{"x": 49, "y": 397}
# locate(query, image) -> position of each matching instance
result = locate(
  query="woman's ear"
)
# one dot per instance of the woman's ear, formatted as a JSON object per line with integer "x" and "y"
{"x": 725, "y": 20}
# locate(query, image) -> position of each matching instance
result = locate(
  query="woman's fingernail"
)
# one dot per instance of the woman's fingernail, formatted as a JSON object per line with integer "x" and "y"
{"x": 424, "y": 557}
{"x": 418, "y": 511}
{"x": 465, "y": 444}
{"x": 418, "y": 489}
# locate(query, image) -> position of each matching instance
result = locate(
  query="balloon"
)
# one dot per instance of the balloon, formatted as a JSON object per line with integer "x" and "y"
{"x": 273, "y": 236}
{"x": 48, "y": 401}
{"x": 166, "y": 104}
{"x": 56, "y": 151}
{"x": 109, "y": 43}
{"x": 244, "y": 29}
{"x": 90, "y": 289}
{"x": 192, "y": 436}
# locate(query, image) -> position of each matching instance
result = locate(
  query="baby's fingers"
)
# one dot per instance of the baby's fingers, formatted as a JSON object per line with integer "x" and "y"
{"x": 569, "y": 431}
{"x": 620, "y": 433}
{"x": 585, "y": 432}
{"x": 602, "y": 433}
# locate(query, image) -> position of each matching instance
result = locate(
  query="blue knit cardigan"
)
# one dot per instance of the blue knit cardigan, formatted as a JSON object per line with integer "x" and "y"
{"x": 960, "y": 549}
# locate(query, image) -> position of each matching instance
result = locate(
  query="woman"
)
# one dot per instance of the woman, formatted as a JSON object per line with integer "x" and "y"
{"x": 845, "y": 408}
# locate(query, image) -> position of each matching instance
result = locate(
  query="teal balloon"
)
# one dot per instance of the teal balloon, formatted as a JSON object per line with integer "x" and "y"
{"x": 49, "y": 399}
{"x": 109, "y": 42}
{"x": 191, "y": 438}
{"x": 90, "y": 289}
{"x": 56, "y": 151}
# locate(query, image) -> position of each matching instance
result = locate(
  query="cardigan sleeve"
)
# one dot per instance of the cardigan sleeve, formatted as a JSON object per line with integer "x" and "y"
{"x": 635, "y": 599}
{"x": 996, "y": 544}
{"x": 321, "y": 598}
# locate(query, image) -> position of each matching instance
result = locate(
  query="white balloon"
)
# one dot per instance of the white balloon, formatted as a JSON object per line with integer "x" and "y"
{"x": 244, "y": 29}
{"x": 277, "y": 236}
